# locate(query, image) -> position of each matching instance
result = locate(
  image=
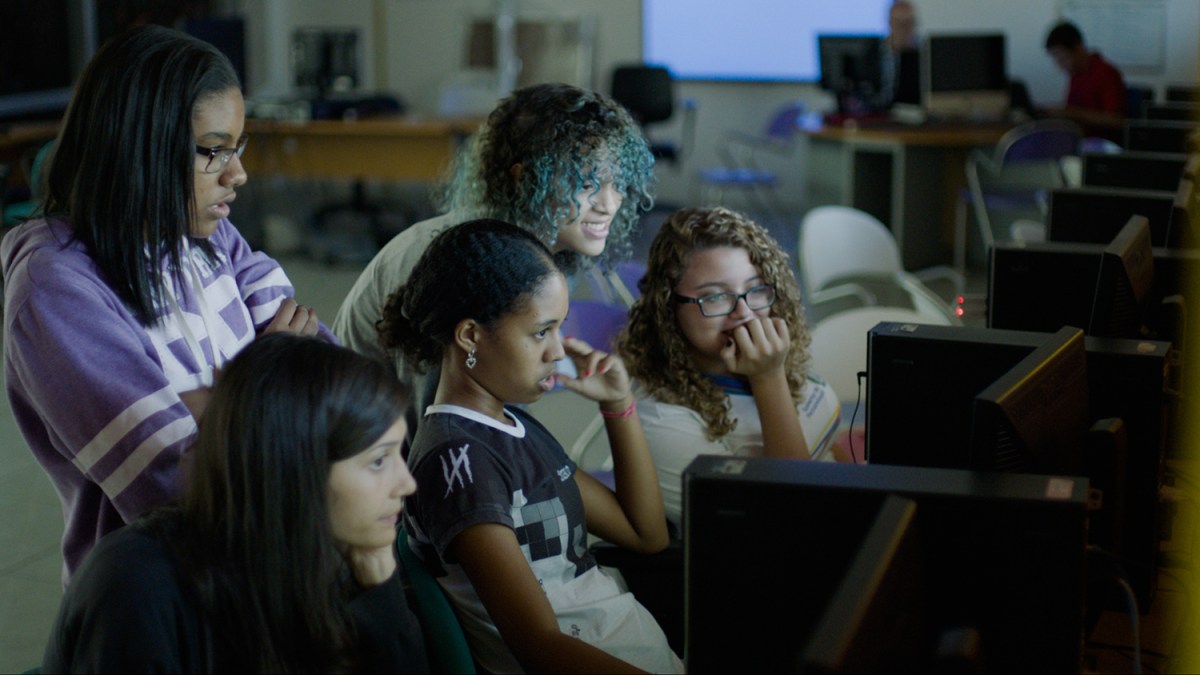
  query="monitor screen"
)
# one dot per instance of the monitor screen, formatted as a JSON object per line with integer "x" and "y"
{"x": 773, "y": 40}
{"x": 965, "y": 76}
{"x": 851, "y": 69}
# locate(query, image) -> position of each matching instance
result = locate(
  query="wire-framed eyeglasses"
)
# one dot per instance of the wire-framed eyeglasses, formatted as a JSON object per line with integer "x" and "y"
{"x": 219, "y": 156}
{"x": 723, "y": 304}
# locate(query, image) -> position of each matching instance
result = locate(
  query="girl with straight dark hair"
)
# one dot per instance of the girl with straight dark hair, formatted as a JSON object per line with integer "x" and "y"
{"x": 129, "y": 292}
{"x": 279, "y": 557}
{"x": 502, "y": 516}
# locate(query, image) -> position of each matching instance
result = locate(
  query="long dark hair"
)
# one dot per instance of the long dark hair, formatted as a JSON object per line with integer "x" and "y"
{"x": 253, "y": 534}
{"x": 481, "y": 270}
{"x": 122, "y": 168}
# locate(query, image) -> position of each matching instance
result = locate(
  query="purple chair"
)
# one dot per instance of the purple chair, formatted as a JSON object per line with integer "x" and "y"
{"x": 1016, "y": 177}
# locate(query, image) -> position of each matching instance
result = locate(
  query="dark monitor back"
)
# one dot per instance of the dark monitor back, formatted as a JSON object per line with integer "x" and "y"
{"x": 967, "y": 62}
{"x": 1096, "y": 215}
{"x": 1034, "y": 418}
{"x": 1134, "y": 170}
{"x": 1004, "y": 553}
{"x": 1182, "y": 93}
{"x": 1124, "y": 283}
{"x": 1173, "y": 111}
{"x": 227, "y": 34}
{"x": 1159, "y": 136}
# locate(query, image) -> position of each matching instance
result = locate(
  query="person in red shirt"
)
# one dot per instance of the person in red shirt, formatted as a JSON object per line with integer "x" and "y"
{"x": 1096, "y": 92}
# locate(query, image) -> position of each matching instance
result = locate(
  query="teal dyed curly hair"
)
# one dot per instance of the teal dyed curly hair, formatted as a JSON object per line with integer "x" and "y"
{"x": 564, "y": 138}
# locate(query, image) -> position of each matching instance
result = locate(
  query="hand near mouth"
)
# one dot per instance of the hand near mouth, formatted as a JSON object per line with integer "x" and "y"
{"x": 758, "y": 347}
{"x": 602, "y": 376}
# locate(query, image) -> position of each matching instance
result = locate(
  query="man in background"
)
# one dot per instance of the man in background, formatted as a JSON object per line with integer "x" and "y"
{"x": 900, "y": 62}
{"x": 1096, "y": 91}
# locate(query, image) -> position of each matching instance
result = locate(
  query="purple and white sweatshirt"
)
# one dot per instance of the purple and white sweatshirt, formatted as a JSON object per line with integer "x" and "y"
{"x": 94, "y": 392}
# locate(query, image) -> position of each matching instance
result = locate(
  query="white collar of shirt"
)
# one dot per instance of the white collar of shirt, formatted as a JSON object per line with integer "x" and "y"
{"x": 517, "y": 430}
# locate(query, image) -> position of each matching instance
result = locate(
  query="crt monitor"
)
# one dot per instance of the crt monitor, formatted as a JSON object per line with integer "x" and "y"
{"x": 1041, "y": 286}
{"x": 1134, "y": 170}
{"x": 876, "y": 620}
{"x": 1096, "y": 215}
{"x": 852, "y": 70}
{"x": 768, "y": 543}
{"x": 965, "y": 77}
{"x": 1035, "y": 416}
{"x": 1124, "y": 283}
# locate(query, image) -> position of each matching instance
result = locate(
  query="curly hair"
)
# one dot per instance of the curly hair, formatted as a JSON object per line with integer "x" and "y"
{"x": 654, "y": 348}
{"x": 564, "y": 138}
{"x": 482, "y": 269}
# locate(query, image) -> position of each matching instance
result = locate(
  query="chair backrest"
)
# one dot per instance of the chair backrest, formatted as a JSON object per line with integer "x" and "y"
{"x": 448, "y": 648}
{"x": 645, "y": 90}
{"x": 839, "y": 241}
{"x": 596, "y": 323}
{"x": 786, "y": 121}
{"x": 1039, "y": 140}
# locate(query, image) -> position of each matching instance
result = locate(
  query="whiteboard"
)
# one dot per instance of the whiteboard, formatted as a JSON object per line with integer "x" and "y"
{"x": 772, "y": 40}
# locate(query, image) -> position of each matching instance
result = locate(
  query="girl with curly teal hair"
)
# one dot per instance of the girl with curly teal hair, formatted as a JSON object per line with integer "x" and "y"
{"x": 566, "y": 164}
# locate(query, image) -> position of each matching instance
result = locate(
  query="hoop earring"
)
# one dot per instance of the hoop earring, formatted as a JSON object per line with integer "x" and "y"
{"x": 471, "y": 360}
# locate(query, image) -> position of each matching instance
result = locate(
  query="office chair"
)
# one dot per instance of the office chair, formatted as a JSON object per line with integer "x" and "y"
{"x": 648, "y": 93}
{"x": 16, "y": 212}
{"x": 741, "y": 161}
{"x": 849, "y": 259}
{"x": 448, "y": 649}
{"x": 1016, "y": 177}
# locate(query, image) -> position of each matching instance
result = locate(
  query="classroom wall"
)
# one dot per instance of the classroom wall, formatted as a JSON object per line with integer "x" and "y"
{"x": 413, "y": 47}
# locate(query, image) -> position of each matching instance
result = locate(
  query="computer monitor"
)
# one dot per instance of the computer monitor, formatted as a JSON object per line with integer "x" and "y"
{"x": 922, "y": 381}
{"x": 1124, "y": 283}
{"x": 1034, "y": 417}
{"x": 1003, "y": 553}
{"x": 877, "y": 620}
{"x": 1172, "y": 111}
{"x": 1134, "y": 170}
{"x": 852, "y": 70}
{"x": 1160, "y": 136}
{"x": 1096, "y": 215}
{"x": 965, "y": 77}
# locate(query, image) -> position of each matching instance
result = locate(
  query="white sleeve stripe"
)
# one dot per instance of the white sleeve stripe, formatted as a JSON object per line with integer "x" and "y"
{"x": 273, "y": 279}
{"x": 136, "y": 463}
{"x": 114, "y": 431}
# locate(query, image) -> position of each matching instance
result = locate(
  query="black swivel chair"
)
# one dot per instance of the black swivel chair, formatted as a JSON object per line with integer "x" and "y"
{"x": 648, "y": 93}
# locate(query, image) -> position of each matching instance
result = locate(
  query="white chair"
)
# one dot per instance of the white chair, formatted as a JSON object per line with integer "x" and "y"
{"x": 847, "y": 255}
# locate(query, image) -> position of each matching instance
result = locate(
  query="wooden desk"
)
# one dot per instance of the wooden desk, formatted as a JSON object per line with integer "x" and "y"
{"x": 381, "y": 148}
{"x": 906, "y": 176}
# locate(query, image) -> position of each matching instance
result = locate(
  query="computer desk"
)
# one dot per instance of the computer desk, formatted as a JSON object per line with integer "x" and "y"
{"x": 907, "y": 176}
{"x": 391, "y": 148}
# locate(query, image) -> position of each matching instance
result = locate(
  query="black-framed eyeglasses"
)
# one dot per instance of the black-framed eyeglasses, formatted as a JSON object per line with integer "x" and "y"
{"x": 723, "y": 304}
{"x": 218, "y": 156}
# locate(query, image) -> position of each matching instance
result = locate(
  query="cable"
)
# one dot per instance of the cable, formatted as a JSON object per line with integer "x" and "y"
{"x": 1133, "y": 618}
{"x": 854, "y": 415}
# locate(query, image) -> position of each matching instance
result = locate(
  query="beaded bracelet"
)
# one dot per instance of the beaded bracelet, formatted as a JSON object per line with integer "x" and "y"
{"x": 624, "y": 413}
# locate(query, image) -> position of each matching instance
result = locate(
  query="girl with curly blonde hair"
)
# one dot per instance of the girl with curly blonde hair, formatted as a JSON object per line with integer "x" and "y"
{"x": 719, "y": 348}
